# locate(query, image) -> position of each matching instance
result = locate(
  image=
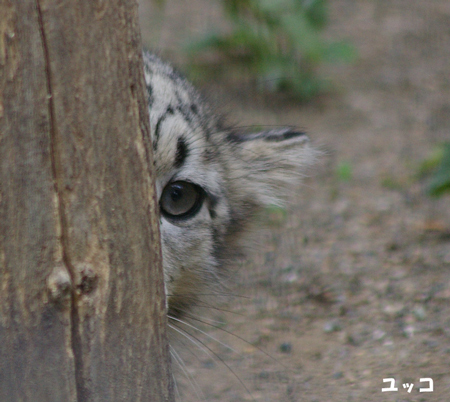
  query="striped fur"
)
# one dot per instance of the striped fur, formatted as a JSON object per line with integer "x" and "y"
{"x": 234, "y": 174}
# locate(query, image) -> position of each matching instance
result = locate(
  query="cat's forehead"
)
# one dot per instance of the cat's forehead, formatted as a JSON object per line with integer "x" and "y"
{"x": 177, "y": 145}
{"x": 181, "y": 128}
{"x": 168, "y": 91}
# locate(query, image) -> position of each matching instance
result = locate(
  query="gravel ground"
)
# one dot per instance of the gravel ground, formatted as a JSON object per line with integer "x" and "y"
{"x": 353, "y": 285}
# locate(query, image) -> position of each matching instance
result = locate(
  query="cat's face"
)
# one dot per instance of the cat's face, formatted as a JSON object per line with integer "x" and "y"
{"x": 211, "y": 181}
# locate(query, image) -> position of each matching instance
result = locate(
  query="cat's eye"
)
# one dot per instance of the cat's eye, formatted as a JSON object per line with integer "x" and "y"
{"x": 181, "y": 200}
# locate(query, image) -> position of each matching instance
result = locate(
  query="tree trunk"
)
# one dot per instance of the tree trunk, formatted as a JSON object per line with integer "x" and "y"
{"x": 82, "y": 308}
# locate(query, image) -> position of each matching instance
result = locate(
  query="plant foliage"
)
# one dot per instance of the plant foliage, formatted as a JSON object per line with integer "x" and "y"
{"x": 279, "y": 41}
{"x": 440, "y": 180}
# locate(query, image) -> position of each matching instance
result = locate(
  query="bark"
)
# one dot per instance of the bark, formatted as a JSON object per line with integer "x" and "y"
{"x": 82, "y": 308}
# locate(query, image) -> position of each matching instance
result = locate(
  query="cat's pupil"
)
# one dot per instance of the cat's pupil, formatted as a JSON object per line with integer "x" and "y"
{"x": 177, "y": 194}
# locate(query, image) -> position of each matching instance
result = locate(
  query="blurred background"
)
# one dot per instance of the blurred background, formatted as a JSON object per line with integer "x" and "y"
{"x": 352, "y": 284}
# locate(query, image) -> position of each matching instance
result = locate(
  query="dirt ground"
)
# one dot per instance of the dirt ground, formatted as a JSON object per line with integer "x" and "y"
{"x": 353, "y": 286}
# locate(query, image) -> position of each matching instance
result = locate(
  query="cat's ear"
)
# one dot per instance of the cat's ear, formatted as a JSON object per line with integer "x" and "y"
{"x": 273, "y": 162}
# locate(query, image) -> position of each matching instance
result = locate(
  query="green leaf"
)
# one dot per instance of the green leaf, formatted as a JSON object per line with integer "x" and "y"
{"x": 440, "y": 182}
{"x": 340, "y": 51}
{"x": 159, "y": 3}
{"x": 236, "y": 7}
{"x": 211, "y": 40}
{"x": 304, "y": 37}
{"x": 431, "y": 162}
{"x": 344, "y": 171}
{"x": 316, "y": 12}
{"x": 276, "y": 7}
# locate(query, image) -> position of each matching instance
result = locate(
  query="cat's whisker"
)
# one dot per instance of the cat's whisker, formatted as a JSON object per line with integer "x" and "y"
{"x": 185, "y": 371}
{"x": 204, "y": 333}
{"x": 194, "y": 295}
{"x": 189, "y": 337}
{"x": 175, "y": 386}
{"x": 204, "y": 319}
{"x": 213, "y": 355}
{"x": 208, "y": 306}
{"x": 218, "y": 327}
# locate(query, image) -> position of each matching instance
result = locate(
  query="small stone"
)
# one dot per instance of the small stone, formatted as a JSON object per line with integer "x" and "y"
{"x": 432, "y": 344}
{"x": 264, "y": 375}
{"x": 354, "y": 340}
{"x": 286, "y": 347}
{"x": 378, "y": 334}
{"x": 420, "y": 313}
{"x": 409, "y": 331}
{"x": 291, "y": 277}
{"x": 332, "y": 326}
{"x": 393, "y": 310}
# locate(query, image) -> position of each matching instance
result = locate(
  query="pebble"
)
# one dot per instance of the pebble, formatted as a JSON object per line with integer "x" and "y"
{"x": 393, "y": 310}
{"x": 332, "y": 326}
{"x": 338, "y": 374}
{"x": 378, "y": 334}
{"x": 409, "y": 331}
{"x": 286, "y": 347}
{"x": 420, "y": 313}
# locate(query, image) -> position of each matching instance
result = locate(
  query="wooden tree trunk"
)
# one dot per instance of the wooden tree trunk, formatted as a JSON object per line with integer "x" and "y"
{"x": 82, "y": 309}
